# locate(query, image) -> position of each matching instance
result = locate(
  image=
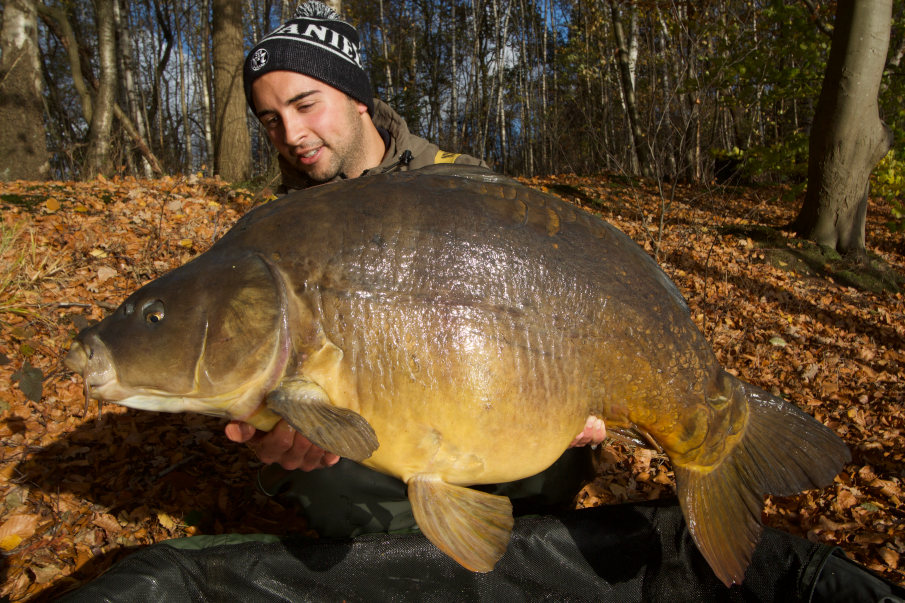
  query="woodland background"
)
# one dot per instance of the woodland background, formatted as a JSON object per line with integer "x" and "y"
{"x": 127, "y": 149}
{"x": 667, "y": 89}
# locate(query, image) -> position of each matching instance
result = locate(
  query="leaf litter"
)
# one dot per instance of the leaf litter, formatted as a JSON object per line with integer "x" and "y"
{"x": 82, "y": 486}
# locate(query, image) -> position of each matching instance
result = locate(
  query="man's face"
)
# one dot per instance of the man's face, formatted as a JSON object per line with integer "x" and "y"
{"x": 314, "y": 126}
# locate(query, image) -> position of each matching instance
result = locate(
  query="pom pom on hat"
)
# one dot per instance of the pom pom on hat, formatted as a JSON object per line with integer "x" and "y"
{"x": 315, "y": 10}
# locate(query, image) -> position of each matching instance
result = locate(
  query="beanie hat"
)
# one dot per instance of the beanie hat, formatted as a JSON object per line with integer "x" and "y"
{"x": 315, "y": 42}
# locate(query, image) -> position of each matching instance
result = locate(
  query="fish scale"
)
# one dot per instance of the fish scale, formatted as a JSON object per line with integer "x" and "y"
{"x": 452, "y": 327}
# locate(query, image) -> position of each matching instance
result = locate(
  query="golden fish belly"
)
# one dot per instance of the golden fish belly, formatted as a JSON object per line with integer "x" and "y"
{"x": 465, "y": 438}
{"x": 465, "y": 394}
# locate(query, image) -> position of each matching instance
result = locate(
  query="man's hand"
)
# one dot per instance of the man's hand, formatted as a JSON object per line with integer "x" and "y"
{"x": 594, "y": 433}
{"x": 281, "y": 445}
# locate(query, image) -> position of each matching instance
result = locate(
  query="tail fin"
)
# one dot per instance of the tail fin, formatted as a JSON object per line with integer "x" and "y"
{"x": 782, "y": 451}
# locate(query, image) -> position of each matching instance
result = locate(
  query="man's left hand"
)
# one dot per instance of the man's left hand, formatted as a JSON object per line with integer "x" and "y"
{"x": 594, "y": 433}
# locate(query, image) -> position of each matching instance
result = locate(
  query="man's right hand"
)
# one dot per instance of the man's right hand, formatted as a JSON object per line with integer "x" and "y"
{"x": 281, "y": 445}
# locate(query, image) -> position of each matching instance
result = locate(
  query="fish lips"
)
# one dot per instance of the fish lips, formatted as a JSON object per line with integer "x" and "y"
{"x": 90, "y": 358}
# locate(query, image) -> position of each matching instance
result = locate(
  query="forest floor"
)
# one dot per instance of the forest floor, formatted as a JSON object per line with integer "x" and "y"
{"x": 79, "y": 490}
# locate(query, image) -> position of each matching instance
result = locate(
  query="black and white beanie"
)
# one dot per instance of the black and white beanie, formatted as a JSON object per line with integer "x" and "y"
{"x": 315, "y": 42}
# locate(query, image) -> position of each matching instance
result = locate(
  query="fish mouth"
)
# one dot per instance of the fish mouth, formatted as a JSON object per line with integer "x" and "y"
{"x": 108, "y": 390}
{"x": 77, "y": 358}
{"x": 91, "y": 359}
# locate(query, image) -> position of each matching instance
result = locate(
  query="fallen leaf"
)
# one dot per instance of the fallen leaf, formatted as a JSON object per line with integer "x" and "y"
{"x": 30, "y": 381}
{"x": 889, "y": 556}
{"x": 105, "y": 273}
{"x": 845, "y": 499}
{"x": 810, "y": 372}
{"x": 47, "y": 573}
{"x": 108, "y": 523}
{"x": 166, "y": 521}
{"x": 16, "y": 529}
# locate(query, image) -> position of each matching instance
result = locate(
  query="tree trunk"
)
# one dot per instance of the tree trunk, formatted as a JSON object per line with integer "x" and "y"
{"x": 133, "y": 105}
{"x": 524, "y": 85}
{"x": 23, "y": 150}
{"x": 479, "y": 70}
{"x": 155, "y": 113}
{"x": 848, "y": 138}
{"x": 384, "y": 47}
{"x": 188, "y": 163}
{"x": 204, "y": 69}
{"x": 99, "y": 132}
{"x": 501, "y": 27}
{"x": 454, "y": 82}
{"x": 642, "y": 151}
{"x": 546, "y": 139}
{"x": 287, "y": 8}
{"x": 231, "y": 140}
{"x": 53, "y": 15}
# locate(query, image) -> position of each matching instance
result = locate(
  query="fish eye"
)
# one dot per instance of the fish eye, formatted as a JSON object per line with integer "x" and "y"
{"x": 153, "y": 312}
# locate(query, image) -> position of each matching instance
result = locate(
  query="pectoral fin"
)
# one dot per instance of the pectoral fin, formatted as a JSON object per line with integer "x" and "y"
{"x": 307, "y": 407}
{"x": 470, "y": 526}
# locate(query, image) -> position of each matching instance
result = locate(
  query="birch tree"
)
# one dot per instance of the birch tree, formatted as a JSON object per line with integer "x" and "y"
{"x": 99, "y": 137}
{"x": 627, "y": 77}
{"x": 130, "y": 86}
{"x": 205, "y": 84}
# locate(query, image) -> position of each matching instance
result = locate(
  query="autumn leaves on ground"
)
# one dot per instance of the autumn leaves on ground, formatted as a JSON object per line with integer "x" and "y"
{"x": 79, "y": 490}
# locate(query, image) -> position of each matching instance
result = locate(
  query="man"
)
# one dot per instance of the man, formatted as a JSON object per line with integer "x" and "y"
{"x": 306, "y": 84}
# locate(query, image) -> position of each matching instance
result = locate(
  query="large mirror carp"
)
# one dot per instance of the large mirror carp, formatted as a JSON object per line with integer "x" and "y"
{"x": 452, "y": 327}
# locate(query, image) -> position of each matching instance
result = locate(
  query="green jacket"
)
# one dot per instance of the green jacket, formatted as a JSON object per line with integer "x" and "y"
{"x": 420, "y": 152}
